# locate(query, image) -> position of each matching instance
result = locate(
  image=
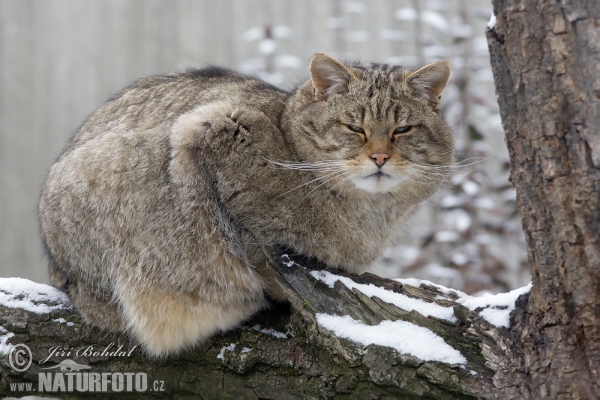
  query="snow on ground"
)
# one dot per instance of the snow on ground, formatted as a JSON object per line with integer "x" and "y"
{"x": 63, "y": 321}
{"x": 405, "y": 337}
{"x": 496, "y": 307}
{"x": 221, "y": 354}
{"x": 31, "y": 296}
{"x": 492, "y": 22}
{"x": 400, "y": 300}
{"x": 4, "y": 336}
{"x": 271, "y": 332}
{"x": 408, "y": 338}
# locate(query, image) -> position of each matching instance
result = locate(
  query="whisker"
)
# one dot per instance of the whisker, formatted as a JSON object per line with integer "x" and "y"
{"x": 311, "y": 181}
{"x": 309, "y": 166}
{"x": 459, "y": 164}
{"x": 328, "y": 180}
{"x": 343, "y": 180}
{"x": 432, "y": 177}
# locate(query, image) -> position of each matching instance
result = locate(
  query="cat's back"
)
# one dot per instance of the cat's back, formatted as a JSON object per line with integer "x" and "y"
{"x": 157, "y": 101}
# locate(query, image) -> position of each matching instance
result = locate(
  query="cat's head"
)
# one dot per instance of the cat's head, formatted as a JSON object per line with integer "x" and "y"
{"x": 372, "y": 128}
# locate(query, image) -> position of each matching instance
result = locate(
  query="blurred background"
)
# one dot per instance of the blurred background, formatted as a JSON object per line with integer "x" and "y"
{"x": 61, "y": 59}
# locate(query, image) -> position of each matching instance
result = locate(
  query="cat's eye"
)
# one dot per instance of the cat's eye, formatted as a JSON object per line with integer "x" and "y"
{"x": 355, "y": 128}
{"x": 402, "y": 129}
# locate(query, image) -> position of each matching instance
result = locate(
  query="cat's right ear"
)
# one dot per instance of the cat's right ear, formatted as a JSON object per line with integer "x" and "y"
{"x": 430, "y": 80}
{"x": 328, "y": 76}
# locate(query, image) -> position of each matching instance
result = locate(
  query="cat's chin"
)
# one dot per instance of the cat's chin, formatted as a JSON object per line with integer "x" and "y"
{"x": 378, "y": 182}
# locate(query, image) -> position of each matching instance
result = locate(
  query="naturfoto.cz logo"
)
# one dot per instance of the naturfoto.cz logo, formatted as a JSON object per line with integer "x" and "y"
{"x": 70, "y": 376}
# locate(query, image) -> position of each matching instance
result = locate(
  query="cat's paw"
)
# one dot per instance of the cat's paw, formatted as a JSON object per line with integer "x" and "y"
{"x": 238, "y": 129}
{"x": 248, "y": 119}
{"x": 223, "y": 129}
{"x": 203, "y": 127}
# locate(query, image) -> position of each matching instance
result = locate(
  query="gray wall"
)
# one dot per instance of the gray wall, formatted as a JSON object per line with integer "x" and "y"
{"x": 60, "y": 59}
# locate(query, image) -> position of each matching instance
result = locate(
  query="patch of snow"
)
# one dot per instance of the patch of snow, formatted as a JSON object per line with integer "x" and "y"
{"x": 418, "y": 282}
{"x": 452, "y": 201}
{"x": 25, "y": 294}
{"x": 64, "y": 321}
{"x": 484, "y": 203}
{"x": 496, "y": 307}
{"x": 406, "y": 14}
{"x": 447, "y": 236}
{"x": 470, "y": 187}
{"x": 492, "y": 22}
{"x": 245, "y": 350}
{"x": 5, "y": 335}
{"x": 255, "y": 33}
{"x": 400, "y": 300}
{"x": 405, "y": 337}
{"x": 271, "y": 332}
{"x": 267, "y": 46}
{"x": 285, "y": 259}
{"x": 459, "y": 258}
{"x": 231, "y": 347}
{"x": 458, "y": 219}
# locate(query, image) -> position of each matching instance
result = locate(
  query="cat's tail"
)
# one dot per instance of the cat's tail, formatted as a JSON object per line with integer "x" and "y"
{"x": 58, "y": 276}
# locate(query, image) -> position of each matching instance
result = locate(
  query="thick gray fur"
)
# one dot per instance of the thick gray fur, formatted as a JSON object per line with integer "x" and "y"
{"x": 156, "y": 214}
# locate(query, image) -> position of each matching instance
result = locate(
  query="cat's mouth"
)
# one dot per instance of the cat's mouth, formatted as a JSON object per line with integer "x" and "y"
{"x": 379, "y": 175}
{"x": 377, "y": 182}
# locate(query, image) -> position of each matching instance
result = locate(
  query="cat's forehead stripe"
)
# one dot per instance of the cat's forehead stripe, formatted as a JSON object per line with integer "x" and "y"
{"x": 379, "y": 83}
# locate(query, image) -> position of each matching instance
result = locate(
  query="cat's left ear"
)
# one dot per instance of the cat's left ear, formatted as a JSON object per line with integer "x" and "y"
{"x": 328, "y": 76}
{"x": 430, "y": 79}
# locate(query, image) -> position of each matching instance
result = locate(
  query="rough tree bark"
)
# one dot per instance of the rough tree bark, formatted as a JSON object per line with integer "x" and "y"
{"x": 546, "y": 62}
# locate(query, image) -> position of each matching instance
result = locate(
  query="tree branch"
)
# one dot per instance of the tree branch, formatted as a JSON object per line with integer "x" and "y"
{"x": 282, "y": 353}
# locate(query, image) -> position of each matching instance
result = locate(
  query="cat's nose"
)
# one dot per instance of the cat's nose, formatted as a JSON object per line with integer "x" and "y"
{"x": 379, "y": 158}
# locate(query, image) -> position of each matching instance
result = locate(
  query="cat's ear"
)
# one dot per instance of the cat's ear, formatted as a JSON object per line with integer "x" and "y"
{"x": 328, "y": 76}
{"x": 430, "y": 79}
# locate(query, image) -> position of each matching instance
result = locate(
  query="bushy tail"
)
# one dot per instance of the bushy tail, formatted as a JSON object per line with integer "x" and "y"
{"x": 58, "y": 276}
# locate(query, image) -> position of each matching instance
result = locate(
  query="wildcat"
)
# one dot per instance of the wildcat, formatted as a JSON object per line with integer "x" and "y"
{"x": 156, "y": 214}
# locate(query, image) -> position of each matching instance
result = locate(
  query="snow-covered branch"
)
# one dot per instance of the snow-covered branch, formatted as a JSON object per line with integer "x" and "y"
{"x": 343, "y": 334}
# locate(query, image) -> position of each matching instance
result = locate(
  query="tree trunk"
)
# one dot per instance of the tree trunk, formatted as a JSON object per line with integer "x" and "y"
{"x": 546, "y": 63}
